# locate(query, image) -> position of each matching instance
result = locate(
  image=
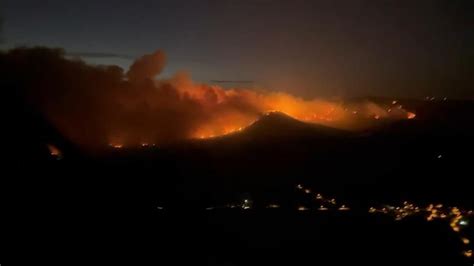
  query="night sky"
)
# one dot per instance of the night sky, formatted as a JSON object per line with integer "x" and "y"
{"x": 309, "y": 48}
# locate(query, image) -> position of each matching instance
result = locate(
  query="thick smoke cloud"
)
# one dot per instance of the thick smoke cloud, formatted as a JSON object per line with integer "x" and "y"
{"x": 147, "y": 66}
{"x": 98, "y": 105}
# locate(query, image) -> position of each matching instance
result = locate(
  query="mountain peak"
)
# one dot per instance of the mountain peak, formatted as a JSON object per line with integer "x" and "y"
{"x": 277, "y": 116}
{"x": 278, "y": 124}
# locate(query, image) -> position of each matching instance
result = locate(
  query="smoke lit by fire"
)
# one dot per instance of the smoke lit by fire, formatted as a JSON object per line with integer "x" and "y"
{"x": 100, "y": 105}
{"x": 54, "y": 152}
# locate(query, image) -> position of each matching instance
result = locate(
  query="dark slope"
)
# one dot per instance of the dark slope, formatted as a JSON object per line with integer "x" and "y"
{"x": 277, "y": 127}
{"x": 110, "y": 201}
{"x": 276, "y": 124}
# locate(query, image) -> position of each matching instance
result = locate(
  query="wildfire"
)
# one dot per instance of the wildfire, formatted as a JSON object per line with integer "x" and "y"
{"x": 54, "y": 151}
{"x": 127, "y": 109}
{"x": 116, "y": 146}
{"x": 312, "y": 111}
{"x": 231, "y": 110}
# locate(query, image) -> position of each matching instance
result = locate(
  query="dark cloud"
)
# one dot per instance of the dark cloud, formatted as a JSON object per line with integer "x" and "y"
{"x": 98, "y": 55}
{"x": 96, "y": 105}
{"x": 147, "y": 66}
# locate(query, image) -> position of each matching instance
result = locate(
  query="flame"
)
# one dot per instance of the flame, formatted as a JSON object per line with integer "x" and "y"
{"x": 116, "y": 145}
{"x": 54, "y": 151}
{"x": 334, "y": 114}
{"x": 128, "y": 109}
{"x": 411, "y": 115}
{"x": 221, "y": 111}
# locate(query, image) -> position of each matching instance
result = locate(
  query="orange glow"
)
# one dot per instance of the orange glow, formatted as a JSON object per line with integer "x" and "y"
{"x": 411, "y": 115}
{"x": 222, "y": 116}
{"x": 53, "y": 150}
{"x": 116, "y": 146}
{"x": 140, "y": 106}
{"x": 231, "y": 110}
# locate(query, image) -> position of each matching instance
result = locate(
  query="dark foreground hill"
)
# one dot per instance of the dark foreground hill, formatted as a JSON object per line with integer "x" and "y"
{"x": 106, "y": 204}
{"x": 426, "y": 158}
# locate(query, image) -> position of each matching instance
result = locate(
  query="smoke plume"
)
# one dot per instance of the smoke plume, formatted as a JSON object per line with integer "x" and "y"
{"x": 147, "y": 66}
{"x": 95, "y": 106}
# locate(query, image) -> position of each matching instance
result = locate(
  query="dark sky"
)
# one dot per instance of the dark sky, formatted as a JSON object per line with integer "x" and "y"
{"x": 309, "y": 48}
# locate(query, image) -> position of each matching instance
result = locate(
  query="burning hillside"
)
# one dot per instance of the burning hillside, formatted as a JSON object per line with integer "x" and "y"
{"x": 98, "y": 105}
